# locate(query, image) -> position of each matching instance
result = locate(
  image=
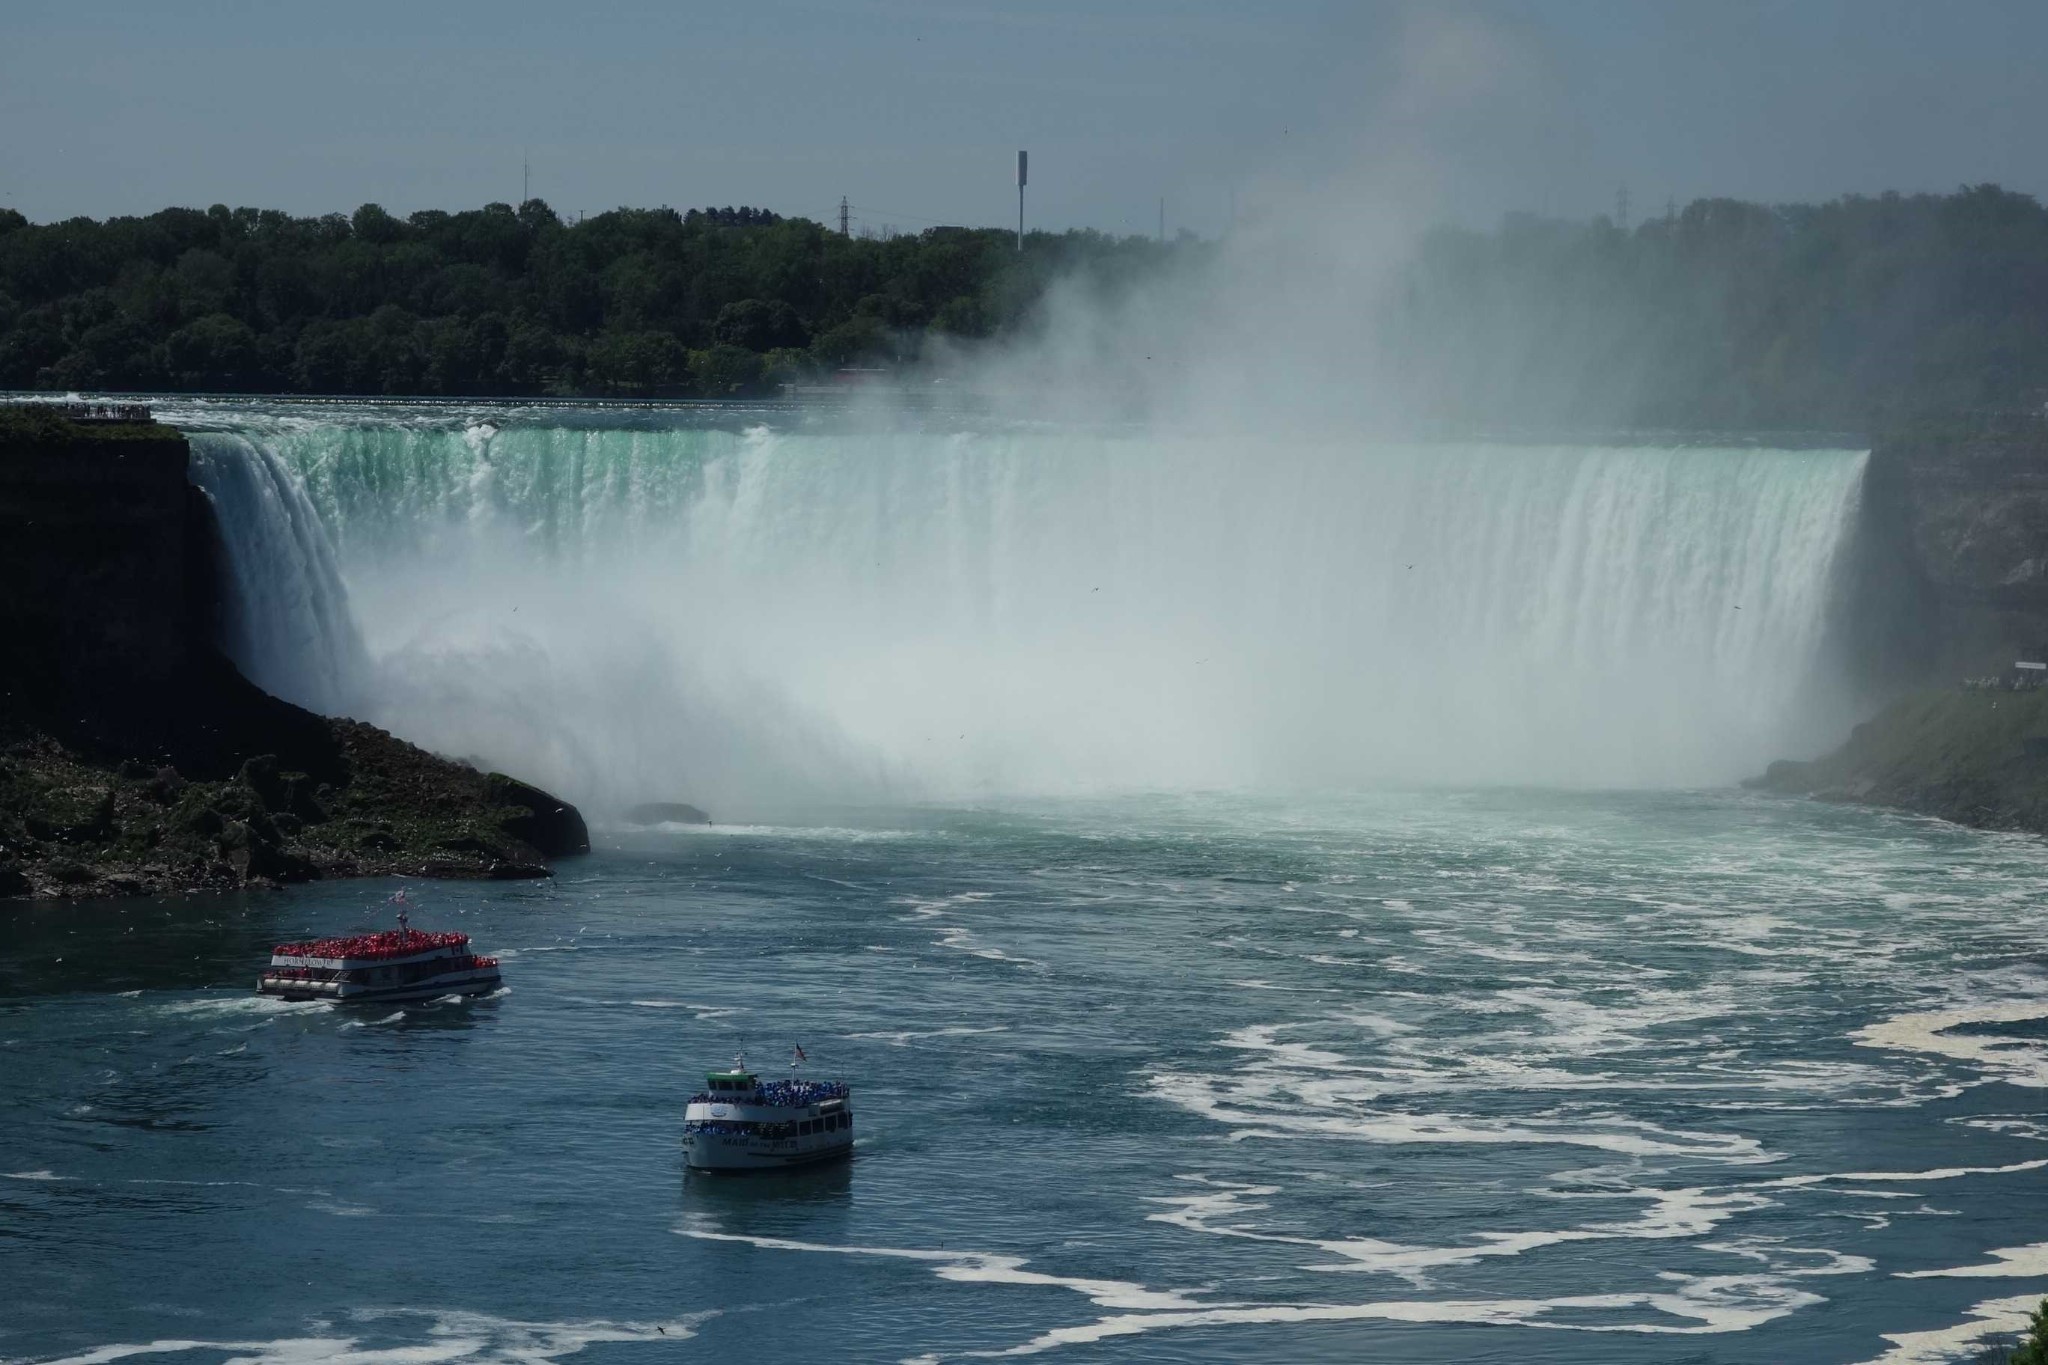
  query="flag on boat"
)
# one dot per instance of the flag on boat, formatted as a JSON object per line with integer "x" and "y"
{"x": 800, "y": 1053}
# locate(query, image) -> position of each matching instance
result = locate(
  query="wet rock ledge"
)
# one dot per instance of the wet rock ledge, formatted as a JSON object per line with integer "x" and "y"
{"x": 135, "y": 759}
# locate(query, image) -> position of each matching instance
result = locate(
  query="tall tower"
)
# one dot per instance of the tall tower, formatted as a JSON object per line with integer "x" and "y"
{"x": 842, "y": 217}
{"x": 1023, "y": 175}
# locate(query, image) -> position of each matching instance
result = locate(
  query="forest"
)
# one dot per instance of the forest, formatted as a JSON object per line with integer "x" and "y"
{"x": 497, "y": 300}
{"x": 1717, "y": 314}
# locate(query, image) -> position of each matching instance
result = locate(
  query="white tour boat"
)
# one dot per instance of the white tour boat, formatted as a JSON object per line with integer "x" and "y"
{"x": 397, "y": 964}
{"x": 739, "y": 1122}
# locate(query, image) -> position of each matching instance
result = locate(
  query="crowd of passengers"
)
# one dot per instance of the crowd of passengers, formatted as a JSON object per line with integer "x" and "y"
{"x": 782, "y": 1094}
{"x": 831, "y": 1123}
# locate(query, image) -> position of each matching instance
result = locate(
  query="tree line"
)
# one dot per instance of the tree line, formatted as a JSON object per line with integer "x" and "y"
{"x": 1735, "y": 315}
{"x": 498, "y": 300}
{"x": 1723, "y": 313}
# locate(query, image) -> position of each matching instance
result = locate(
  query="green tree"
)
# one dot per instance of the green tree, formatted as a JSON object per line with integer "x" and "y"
{"x": 216, "y": 352}
{"x": 2034, "y": 1349}
{"x": 726, "y": 371}
{"x": 759, "y": 325}
{"x": 637, "y": 362}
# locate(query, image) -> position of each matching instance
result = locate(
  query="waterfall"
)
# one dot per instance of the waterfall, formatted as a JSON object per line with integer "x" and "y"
{"x": 287, "y": 622}
{"x": 636, "y": 609}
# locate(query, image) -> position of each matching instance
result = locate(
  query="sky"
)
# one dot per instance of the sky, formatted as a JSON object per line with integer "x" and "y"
{"x": 913, "y": 110}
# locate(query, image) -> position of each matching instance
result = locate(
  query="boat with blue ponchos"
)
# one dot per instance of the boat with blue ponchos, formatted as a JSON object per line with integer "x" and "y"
{"x": 739, "y": 1122}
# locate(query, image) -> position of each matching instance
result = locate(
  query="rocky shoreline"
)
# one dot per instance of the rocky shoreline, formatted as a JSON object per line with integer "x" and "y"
{"x": 1978, "y": 758}
{"x": 135, "y": 759}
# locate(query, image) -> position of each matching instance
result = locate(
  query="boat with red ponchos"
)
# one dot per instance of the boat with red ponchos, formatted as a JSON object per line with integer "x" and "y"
{"x": 396, "y": 964}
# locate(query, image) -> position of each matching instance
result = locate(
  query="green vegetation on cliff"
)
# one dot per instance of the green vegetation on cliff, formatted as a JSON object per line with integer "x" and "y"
{"x": 1976, "y": 757}
{"x": 223, "y": 787}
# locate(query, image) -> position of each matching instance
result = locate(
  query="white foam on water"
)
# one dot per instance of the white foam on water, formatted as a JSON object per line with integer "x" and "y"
{"x": 1726, "y": 1304}
{"x": 2012, "y": 1060}
{"x": 934, "y": 907}
{"x": 1613, "y": 1134}
{"x": 1901, "y": 1177}
{"x": 34, "y": 1175}
{"x": 907, "y": 1036}
{"x": 394, "y": 1017}
{"x": 961, "y": 939}
{"x": 1674, "y": 1214}
{"x": 972, "y": 1267}
{"x": 1945, "y": 1345}
{"x": 825, "y": 833}
{"x": 2027, "y": 1262}
{"x": 451, "y": 1335}
{"x": 242, "y": 1004}
{"x": 2008, "y": 1125}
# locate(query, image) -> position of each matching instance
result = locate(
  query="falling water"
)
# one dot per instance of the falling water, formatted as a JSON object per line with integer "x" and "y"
{"x": 747, "y": 616}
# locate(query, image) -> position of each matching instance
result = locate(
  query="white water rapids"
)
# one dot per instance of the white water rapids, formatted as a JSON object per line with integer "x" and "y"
{"x": 745, "y": 617}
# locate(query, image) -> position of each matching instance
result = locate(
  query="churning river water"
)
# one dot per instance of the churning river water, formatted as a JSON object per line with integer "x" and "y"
{"x": 1425, "y": 1076}
{"x": 1559, "y": 1048}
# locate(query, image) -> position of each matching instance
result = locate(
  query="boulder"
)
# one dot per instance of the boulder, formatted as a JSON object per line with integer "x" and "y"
{"x": 667, "y": 813}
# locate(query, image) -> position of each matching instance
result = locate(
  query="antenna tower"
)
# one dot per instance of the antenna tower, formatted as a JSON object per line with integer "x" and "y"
{"x": 1621, "y": 207}
{"x": 1162, "y": 219}
{"x": 525, "y": 177}
{"x": 842, "y": 217}
{"x": 1023, "y": 175}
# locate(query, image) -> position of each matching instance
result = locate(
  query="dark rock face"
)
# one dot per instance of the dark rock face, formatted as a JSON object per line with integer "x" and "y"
{"x": 1952, "y": 562}
{"x": 134, "y": 759}
{"x": 548, "y": 823}
{"x": 97, "y": 547}
{"x": 667, "y": 813}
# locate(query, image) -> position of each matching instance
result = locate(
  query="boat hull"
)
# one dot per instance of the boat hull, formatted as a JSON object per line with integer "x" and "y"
{"x": 720, "y": 1152}
{"x": 350, "y": 993}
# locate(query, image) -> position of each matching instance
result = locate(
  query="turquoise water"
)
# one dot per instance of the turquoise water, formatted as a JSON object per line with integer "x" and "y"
{"x": 1683, "y": 1077}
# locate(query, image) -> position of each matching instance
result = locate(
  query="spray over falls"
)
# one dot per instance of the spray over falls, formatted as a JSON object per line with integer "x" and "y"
{"x": 762, "y": 616}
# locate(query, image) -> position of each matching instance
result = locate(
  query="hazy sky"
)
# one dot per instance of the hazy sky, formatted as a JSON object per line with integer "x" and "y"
{"x": 914, "y": 109}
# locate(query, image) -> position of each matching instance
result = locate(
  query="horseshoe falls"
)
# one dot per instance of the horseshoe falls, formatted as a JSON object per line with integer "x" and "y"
{"x": 627, "y": 609}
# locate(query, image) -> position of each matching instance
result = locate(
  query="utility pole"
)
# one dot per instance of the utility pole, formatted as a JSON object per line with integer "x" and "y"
{"x": 842, "y": 217}
{"x": 525, "y": 177}
{"x": 1023, "y": 174}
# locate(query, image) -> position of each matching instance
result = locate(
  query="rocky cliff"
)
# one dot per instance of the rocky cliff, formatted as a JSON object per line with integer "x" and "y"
{"x": 1951, "y": 567}
{"x": 134, "y": 758}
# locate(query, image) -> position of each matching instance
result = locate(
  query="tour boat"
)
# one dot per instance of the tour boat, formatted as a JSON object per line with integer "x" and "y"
{"x": 739, "y": 1122}
{"x": 397, "y": 964}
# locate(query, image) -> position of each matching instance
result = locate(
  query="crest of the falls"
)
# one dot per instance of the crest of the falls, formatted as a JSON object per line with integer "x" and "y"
{"x": 746, "y": 616}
